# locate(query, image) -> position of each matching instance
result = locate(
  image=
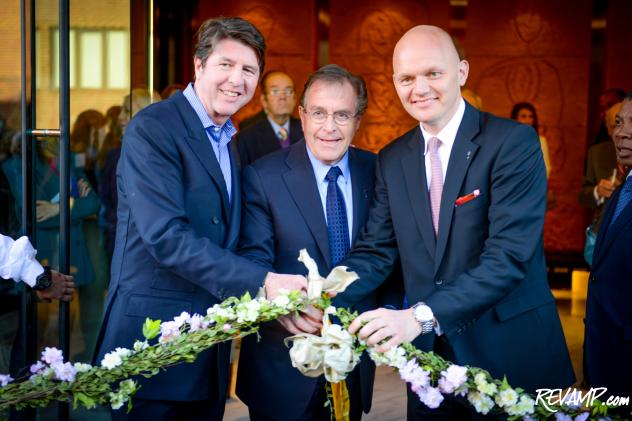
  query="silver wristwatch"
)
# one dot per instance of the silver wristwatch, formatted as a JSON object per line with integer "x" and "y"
{"x": 423, "y": 315}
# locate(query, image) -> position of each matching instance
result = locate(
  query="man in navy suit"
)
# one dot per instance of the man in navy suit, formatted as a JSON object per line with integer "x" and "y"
{"x": 295, "y": 199}
{"x": 278, "y": 130}
{"x": 178, "y": 221}
{"x": 608, "y": 325}
{"x": 460, "y": 199}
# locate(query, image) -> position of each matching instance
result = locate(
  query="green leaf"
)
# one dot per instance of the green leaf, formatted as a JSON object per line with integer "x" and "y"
{"x": 151, "y": 328}
{"x": 85, "y": 400}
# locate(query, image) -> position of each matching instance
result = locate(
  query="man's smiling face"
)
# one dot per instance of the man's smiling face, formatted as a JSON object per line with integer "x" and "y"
{"x": 227, "y": 80}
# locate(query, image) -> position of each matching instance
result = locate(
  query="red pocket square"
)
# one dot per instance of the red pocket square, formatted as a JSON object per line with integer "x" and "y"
{"x": 464, "y": 199}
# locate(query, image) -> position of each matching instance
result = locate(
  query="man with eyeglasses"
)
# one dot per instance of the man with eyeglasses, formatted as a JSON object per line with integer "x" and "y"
{"x": 314, "y": 195}
{"x": 278, "y": 129}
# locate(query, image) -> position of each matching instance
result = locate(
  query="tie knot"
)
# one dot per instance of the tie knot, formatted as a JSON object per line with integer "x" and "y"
{"x": 433, "y": 144}
{"x": 282, "y": 133}
{"x": 333, "y": 173}
{"x": 215, "y": 132}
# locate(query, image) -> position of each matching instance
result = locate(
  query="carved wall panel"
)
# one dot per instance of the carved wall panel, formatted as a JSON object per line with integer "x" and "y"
{"x": 289, "y": 31}
{"x": 536, "y": 51}
{"x": 362, "y": 38}
{"x": 619, "y": 46}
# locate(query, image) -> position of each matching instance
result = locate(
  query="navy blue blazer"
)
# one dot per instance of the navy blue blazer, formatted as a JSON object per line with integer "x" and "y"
{"x": 608, "y": 324}
{"x": 484, "y": 276}
{"x": 260, "y": 139}
{"x": 282, "y": 214}
{"x": 175, "y": 233}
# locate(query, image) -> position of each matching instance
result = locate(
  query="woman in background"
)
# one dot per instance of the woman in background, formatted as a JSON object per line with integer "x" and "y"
{"x": 524, "y": 112}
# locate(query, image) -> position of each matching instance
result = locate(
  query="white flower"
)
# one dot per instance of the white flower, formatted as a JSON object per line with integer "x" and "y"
{"x": 525, "y": 406}
{"x": 111, "y": 360}
{"x": 52, "y": 355}
{"x": 506, "y": 398}
{"x": 430, "y": 396}
{"x": 82, "y": 368}
{"x": 330, "y": 310}
{"x": 116, "y": 400}
{"x": 281, "y": 300}
{"x": 248, "y": 312}
{"x": 140, "y": 345}
{"x": 482, "y": 403}
{"x": 483, "y": 386}
{"x": 64, "y": 371}
{"x": 226, "y": 327}
{"x": 452, "y": 378}
{"x": 5, "y": 379}
{"x": 123, "y": 352}
{"x": 197, "y": 322}
{"x": 37, "y": 367}
{"x": 182, "y": 319}
{"x": 393, "y": 357}
{"x": 168, "y": 331}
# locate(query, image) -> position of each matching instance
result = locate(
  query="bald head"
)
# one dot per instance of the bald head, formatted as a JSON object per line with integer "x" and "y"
{"x": 428, "y": 75}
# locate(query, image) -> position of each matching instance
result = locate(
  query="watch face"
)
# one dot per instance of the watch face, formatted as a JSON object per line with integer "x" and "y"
{"x": 423, "y": 313}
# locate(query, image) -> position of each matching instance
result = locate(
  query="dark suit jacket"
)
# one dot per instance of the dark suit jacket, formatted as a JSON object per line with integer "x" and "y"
{"x": 282, "y": 214}
{"x": 608, "y": 334}
{"x": 484, "y": 277}
{"x": 260, "y": 139}
{"x": 250, "y": 120}
{"x": 174, "y": 234}
{"x": 602, "y": 159}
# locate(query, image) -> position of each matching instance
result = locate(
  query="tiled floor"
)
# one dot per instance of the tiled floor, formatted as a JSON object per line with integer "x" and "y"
{"x": 389, "y": 401}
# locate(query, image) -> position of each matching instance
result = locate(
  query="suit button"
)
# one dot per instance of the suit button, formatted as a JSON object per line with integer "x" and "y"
{"x": 215, "y": 220}
{"x": 438, "y": 282}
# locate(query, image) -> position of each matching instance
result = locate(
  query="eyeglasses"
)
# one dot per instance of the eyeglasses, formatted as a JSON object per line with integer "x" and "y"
{"x": 277, "y": 92}
{"x": 320, "y": 116}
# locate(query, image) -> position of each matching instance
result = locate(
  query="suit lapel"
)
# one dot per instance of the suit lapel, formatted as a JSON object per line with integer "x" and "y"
{"x": 611, "y": 231}
{"x": 200, "y": 144}
{"x": 462, "y": 154}
{"x": 302, "y": 186}
{"x": 269, "y": 138}
{"x": 414, "y": 169}
{"x": 361, "y": 186}
{"x": 234, "y": 221}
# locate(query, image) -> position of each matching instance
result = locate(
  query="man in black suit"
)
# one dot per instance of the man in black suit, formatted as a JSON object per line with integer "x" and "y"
{"x": 277, "y": 129}
{"x": 608, "y": 325}
{"x": 460, "y": 199}
{"x": 314, "y": 195}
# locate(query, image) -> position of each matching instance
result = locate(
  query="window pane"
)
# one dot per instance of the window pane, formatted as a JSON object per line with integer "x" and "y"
{"x": 91, "y": 56}
{"x": 117, "y": 59}
{"x": 55, "y": 61}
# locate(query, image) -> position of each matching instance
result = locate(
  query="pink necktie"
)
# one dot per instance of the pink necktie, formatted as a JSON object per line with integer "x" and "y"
{"x": 436, "y": 181}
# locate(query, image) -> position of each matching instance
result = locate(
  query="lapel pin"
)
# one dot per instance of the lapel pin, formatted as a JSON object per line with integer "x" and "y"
{"x": 469, "y": 153}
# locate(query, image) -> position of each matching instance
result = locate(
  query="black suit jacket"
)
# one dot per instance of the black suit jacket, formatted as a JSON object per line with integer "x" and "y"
{"x": 484, "y": 276}
{"x": 608, "y": 324}
{"x": 260, "y": 139}
{"x": 602, "y": 159}
{"x": 175, "y": 233}
{"x": 282, "y": 214}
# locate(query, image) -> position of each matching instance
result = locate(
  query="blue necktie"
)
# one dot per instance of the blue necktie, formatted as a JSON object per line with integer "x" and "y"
{"x": 337, "y": 225}
{"x": 624, "y": 199}
{"x": 223, "y": 158}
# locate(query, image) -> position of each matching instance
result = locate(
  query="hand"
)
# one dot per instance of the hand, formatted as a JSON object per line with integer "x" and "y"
{"x": 274, "y": 282}
{"x": 308, "y": 321}
{"x": 46, "y": 210}
{"x": 62, "y": 288}
{"x": 84, "y": 187}
{"x": 396, "y": 326}
{"x": 605, "y": 188}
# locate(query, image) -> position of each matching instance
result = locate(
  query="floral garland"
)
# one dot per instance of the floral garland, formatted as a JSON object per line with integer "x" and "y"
{"x": 183, "y": 338}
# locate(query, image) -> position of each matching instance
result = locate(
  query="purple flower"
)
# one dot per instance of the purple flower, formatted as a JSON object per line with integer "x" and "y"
{"x": 430, "y": 396}
{"x": 5, "y": 379}
{"x": 197, "y": 322}
{"x": 37, "y": 367}
{"x": 452, "y": 378}
{"x": 168, "y": 331}
{"x": 182, "y": 319}
{"x": 227, "y": 327}
{"x": 583, "y": 416}
{"x": 64, "y": 372}
{"x": 52, "y": 355}
{"x": 407, "y": 372}
{"x": 562, "y": 417}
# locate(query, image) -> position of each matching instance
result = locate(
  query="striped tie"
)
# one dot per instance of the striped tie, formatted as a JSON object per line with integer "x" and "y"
{"x": 436, "y": 181}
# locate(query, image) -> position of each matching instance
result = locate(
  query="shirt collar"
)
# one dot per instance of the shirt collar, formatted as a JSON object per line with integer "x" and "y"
{"x": 228, "y": 128}
{"x": 276, "y": 127}
{"x": 448, "y": 133}
{"x": 321, "y": 169}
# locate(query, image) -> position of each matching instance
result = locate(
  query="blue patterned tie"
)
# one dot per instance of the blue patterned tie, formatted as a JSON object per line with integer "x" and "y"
{"x": 223, "y": 157}
{"x": 624, "y": 199}
{"x": 337, "y": 225}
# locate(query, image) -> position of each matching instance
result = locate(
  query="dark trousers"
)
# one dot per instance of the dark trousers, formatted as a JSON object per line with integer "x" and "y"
{"x": 316, "y": 409}
{"x": 148, "y": 410}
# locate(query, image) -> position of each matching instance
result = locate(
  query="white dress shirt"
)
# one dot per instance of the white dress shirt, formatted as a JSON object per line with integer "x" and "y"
{"x": 17, "y": 260}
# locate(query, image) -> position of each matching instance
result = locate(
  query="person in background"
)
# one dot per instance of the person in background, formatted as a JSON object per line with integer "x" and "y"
{"x": 279, "y": 129}
{"x": 525, "y": 113}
